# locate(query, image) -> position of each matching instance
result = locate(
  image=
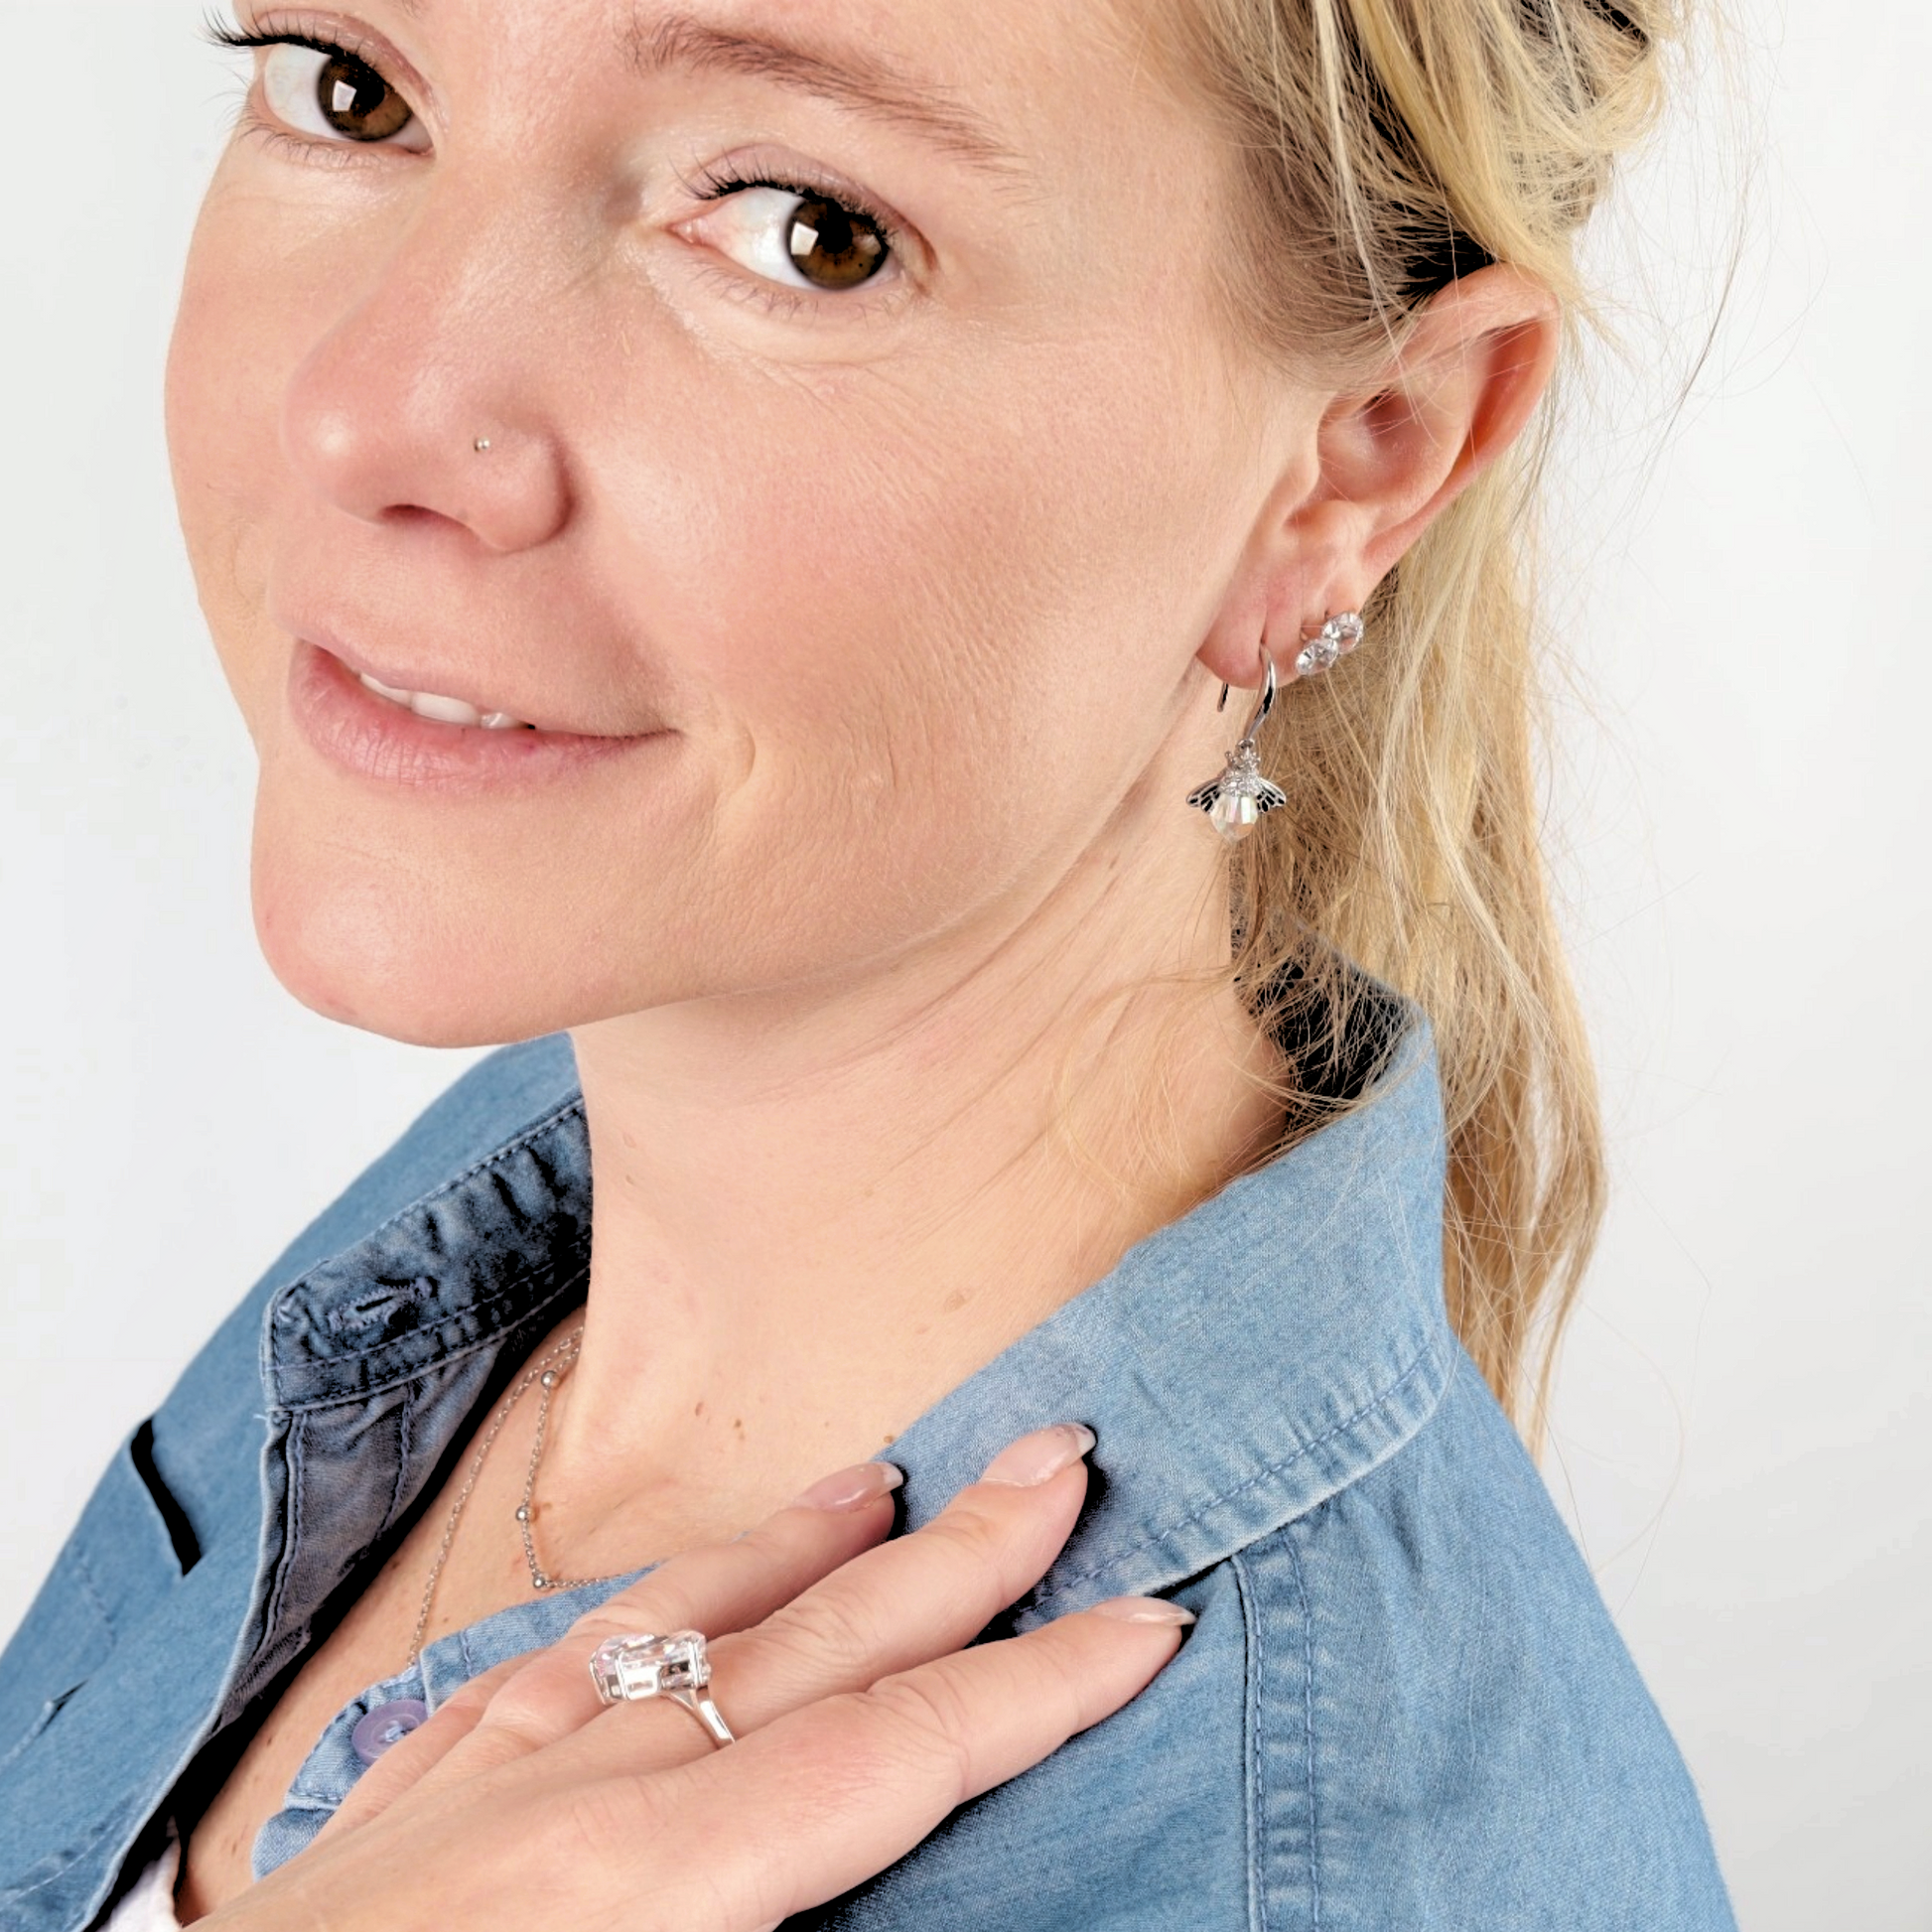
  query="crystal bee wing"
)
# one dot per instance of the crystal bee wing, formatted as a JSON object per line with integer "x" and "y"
{"x": 1268, "y": 797}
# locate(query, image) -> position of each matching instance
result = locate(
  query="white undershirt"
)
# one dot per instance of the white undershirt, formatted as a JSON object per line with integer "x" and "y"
{"x": 150, "y": 1906}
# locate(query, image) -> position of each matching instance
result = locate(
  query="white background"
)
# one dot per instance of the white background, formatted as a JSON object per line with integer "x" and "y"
{"x": 1740, "y": 805}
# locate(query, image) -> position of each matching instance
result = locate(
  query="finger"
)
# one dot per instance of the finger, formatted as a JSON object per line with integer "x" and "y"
{"x": 845, "y": 1786}
{"x": 720, "y": 1587}
{"x": 411, "y": 1757}
{"x": 887, "y": 1610}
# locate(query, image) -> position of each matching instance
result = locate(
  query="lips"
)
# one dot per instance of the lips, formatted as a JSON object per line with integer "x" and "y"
{"x": 432, "y": 692}
{"x": 426, "y": 741}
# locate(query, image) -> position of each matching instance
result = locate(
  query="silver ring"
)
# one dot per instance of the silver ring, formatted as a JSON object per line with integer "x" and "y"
{"x": 629, "y": 1669}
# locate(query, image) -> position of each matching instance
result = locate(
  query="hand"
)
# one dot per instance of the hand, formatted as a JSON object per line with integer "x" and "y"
{"x": 838, "y": 1661}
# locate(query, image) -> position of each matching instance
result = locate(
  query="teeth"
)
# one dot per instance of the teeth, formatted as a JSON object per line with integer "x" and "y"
{"x": 448, "y": 711}
{"x": 451, "y": 711}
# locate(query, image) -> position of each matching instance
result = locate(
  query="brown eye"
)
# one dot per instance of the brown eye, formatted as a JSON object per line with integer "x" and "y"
{"x": 797, "y": 236}
{"x": 357, "y": 102}
{"x": 330, "y": 96}
{"x": 833, "y": 246}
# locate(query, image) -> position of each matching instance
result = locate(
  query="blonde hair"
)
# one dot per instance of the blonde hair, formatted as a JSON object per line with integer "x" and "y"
{"x": 1388, "y": 146}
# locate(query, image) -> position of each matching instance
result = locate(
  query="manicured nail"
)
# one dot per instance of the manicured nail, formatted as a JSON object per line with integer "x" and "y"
{"x": 1041, "y": 1456}
{"x": 1143, "y": 1609}
{"x": 850, "y": 1488}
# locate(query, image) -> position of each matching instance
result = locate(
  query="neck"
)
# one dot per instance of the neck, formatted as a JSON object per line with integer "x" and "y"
{"x": 817, "y": 1211}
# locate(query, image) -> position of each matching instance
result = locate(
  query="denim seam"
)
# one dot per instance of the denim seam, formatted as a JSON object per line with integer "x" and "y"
{"x": 82, "y": 1852}
{"x": 85, "y": 1570}
{"x": 1251, "y": 1744}
{"x": 1307, "y": 1719}
{"x": 485, "y": 1161}
{"x": 480, "y": 1305}
{"x": 292, "y": 1538}
{"x": 401, "y": 1482}
{"x": 1426, "y": 1359}
{"x": 59, "y": 1873}
{"x": 42, "y": 1718}
{"x": 492, "y": 1339}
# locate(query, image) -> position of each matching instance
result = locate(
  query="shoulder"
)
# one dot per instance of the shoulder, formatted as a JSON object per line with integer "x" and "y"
{"x": 1447, "y": 1727}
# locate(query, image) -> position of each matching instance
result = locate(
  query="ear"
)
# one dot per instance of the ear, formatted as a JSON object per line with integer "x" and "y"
{"x": 1377, "y": 466}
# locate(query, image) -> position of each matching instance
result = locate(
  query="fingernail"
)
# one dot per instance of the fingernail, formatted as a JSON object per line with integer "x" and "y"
{"x": 1143, "y": 1609}
{"x": 864, "y": 1482}
{"x": 1041, "y": 1456}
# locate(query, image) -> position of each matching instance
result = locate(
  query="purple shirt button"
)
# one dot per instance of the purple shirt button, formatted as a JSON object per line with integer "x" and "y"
{"x": 386, "y": 1724}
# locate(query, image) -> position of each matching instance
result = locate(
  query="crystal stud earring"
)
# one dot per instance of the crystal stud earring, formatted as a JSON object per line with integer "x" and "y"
{"x": 1235, "y": 801}
{"x": 1323, "y": 648}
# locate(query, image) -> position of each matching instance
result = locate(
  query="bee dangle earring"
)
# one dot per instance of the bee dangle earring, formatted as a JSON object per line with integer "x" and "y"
{"x": 1235, "y": 801}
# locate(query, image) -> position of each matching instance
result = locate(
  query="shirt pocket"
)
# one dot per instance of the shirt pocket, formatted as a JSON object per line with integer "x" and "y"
{"x": 133, "y": 1543}
{"x": 134, "y": 1538}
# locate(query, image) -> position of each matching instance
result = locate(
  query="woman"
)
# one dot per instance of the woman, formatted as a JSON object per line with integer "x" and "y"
{"x": 726, "y": 528}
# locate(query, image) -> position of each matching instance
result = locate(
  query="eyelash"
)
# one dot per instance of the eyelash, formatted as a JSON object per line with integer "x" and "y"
{"x": 713, "y": 185}
{"x": 709, "y": 184}
{"x": 237, "y": 41}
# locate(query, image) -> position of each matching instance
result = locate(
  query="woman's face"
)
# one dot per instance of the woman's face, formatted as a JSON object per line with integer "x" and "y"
{"x": 809, "y": 413}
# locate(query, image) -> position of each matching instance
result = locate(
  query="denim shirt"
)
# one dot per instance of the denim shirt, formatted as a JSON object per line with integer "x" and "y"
{"x": 1403, "y": 1705}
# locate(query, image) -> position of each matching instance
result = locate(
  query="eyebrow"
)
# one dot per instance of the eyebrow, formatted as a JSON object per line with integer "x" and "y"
{"x": 863, "y": 83}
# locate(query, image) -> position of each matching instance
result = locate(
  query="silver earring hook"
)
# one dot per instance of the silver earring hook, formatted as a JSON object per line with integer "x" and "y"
{"x": 1266, "y": 703}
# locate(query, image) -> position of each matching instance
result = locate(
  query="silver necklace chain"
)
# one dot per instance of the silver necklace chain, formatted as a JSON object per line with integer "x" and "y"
{"x": 544, "y": 1373}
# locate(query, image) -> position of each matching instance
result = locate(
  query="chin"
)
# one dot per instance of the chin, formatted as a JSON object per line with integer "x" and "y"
{"x": 431, "y": 929}
{"x": 370, "y": 972}
{"x": 379, "y": 953}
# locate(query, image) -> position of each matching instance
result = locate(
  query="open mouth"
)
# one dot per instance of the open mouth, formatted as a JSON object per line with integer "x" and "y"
{"x": 448, "y": 711}
{"x": 428, "y": 739}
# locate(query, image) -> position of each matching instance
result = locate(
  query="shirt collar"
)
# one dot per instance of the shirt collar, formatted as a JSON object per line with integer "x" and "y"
{"x": 1237, "y": 1366}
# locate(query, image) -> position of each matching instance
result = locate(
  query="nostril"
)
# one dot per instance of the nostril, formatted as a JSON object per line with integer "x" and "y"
{"x": 404, "y": 444}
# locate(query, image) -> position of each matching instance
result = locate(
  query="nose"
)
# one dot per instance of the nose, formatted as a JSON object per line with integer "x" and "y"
{"x": 423, "y": 398}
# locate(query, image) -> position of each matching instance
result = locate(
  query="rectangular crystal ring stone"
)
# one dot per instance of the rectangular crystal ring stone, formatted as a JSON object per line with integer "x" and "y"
{"x": 643, "y": 1667}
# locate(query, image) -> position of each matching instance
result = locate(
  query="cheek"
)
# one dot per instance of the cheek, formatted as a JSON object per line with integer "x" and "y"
{"x": 946, "y": 614}
{"x": 233, "y": 340}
